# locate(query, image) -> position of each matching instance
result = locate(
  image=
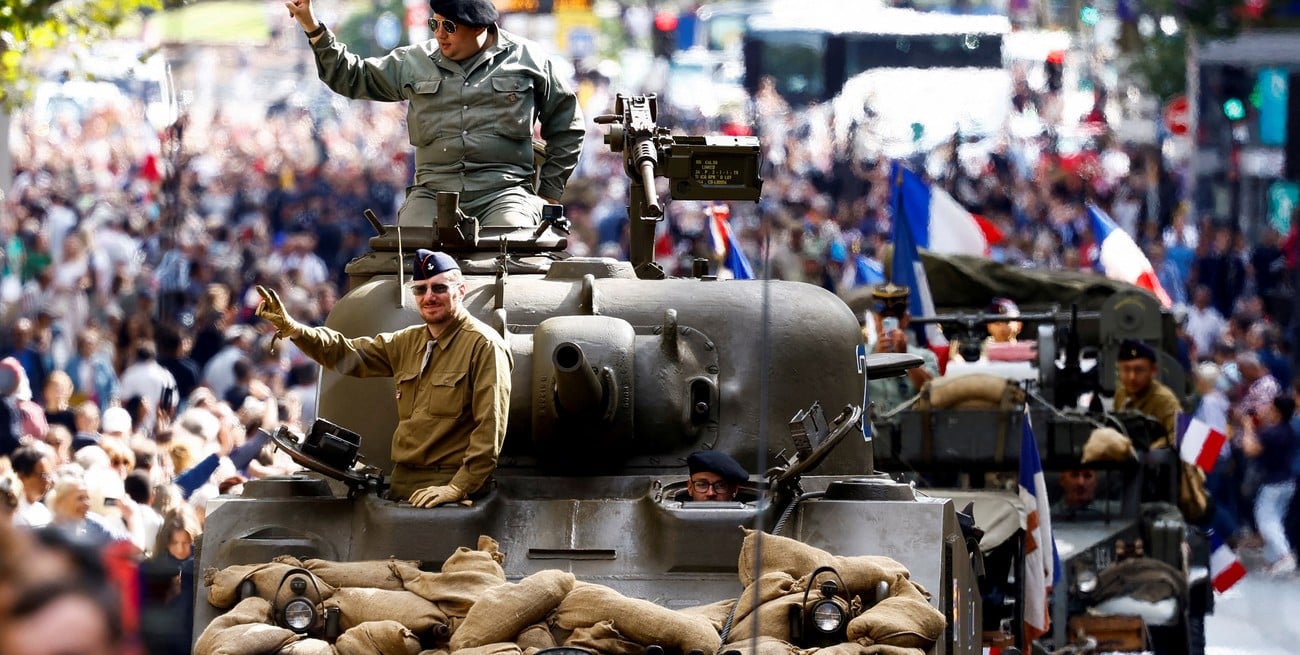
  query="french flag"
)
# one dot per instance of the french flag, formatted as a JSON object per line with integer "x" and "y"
{"x": 907, "y": 269}
{"x": 1119, "y": 258}
{"x": 1042, "y": 563}
{"x": 1225, "y": 569}
{"x": 1199, "y": 443}
{"x": 939, "y": 223}
{"x": 723, "y": 242}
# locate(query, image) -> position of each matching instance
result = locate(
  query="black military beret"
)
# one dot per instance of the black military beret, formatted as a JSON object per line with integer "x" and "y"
{"x": 471, "y": 13}
{"x": 1130, "y": 349}
{"x": 429, "y": 263}
{"x": 718, "y": 462}
{"x": 890, "y": 298}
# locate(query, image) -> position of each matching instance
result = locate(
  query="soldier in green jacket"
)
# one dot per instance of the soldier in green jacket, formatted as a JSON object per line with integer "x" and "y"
{"x": 474, "y": 94}
{"x": 452, "y": 374}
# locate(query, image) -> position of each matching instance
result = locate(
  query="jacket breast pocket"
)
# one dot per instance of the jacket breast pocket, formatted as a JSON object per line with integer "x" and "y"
{"x": 407, "y": 386}
{"x": 424, "y": 114}
{"x": 447, "y": 391}
{"x": 512, "y": 96}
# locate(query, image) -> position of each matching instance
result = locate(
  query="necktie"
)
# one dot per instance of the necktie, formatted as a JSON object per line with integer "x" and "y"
{"x": 428, "y": 354}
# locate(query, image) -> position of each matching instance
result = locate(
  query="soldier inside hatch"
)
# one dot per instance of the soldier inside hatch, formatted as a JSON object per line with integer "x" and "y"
{"x": 715, "y": 475}
{"x": 474, "y": 93}
{"x": 892, "y": 317}
{"x": 452, "y": 374}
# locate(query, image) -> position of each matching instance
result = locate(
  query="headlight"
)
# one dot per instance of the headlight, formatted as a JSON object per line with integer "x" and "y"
{"x": 827, "y": 616}
{"x": 1085, "y": 581}
{"x": 299, "y": 615}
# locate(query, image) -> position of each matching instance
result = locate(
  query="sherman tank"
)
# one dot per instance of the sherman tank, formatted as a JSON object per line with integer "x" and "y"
{"x": 620, "y": 373}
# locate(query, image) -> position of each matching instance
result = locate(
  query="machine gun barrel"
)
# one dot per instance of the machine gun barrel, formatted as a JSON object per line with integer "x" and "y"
{"x": 577, "y": 387}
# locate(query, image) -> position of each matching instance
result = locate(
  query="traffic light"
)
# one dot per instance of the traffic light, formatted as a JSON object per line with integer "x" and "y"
{"x": 1054, "y": 68}
{"x": 1238, "y": 84}
{"x": 1089, "y": 14}
{"x": 665, "y": 36}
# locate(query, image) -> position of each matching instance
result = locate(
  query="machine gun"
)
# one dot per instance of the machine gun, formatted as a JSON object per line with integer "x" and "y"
{"x": 697, "y": 168}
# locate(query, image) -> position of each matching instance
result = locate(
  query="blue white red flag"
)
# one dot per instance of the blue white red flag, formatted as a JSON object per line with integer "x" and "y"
{"x": 1225, "y": 569}
{"x": 1042, "y": 564}
{"x": 724, "y": 244}
{"x": 939, "y": 223}
{"x": 907, "y": 269}
{"x": 1199, "y": 443}
{"x": 1117, "y": 257}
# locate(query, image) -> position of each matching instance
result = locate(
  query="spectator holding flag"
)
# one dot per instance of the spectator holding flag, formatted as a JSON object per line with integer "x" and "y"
{"x": 1273, "y": 448}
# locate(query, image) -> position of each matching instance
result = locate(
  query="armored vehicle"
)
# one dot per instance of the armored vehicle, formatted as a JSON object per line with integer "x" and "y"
{"x": 620, "y": 374}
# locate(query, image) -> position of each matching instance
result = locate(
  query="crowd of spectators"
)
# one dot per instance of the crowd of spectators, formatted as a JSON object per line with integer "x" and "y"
{"x": 135, "y": 378}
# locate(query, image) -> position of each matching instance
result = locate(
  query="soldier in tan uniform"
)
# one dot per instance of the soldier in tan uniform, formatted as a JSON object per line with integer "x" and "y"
{"x": 452, "y": 374}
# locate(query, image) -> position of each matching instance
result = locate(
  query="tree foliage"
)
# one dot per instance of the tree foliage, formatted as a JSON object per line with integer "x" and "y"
{"x": 1159, "y": 61}
{"x": 32, "y": 27}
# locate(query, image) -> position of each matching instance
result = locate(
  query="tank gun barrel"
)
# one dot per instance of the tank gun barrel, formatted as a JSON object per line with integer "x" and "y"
{"x": 577, "y": 387}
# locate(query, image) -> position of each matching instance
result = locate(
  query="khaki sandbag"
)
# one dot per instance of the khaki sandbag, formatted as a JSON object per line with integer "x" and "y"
{"x": 771, "y": 620}
{"x": 434, "y": 651}
{"x": 1107, "y": 445}
{"x": 716, "y": 613}
{"x": 861, "y": 574}
{"x": 500, "y": 648}
{"x": 358, "y": 606}
{"x": 378, "y": 638}
{"x": 454, "y": 593}
{"x": 506, "y": 609}
{"x": 244, "y": 630}
{"x": 482, "y": 561}
{"x": 536, "y": 636}
{"x": 223, "y": 585}
{"x": 639, "y": 621}
{"x": 308, "y": 647}
{"x": 374, "y": 574}
{"x": 904, "y": 619}
{"x": 854, "y": 648}
{"x": 603, "y": 638}
{"x": 977, "y": 390}
{"x": 761, "y": 646}
{"x": 769, "y": 587}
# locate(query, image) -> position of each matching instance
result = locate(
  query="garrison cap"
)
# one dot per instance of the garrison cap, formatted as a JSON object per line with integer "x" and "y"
{"x": 1004, "y": 307}
{"x": 1131, "y": 349}
{"x": 718, "y": 462}
{"x": 890, "y": 298}
{"x": 429, "y": 263}
{"x": 470, "y": 13}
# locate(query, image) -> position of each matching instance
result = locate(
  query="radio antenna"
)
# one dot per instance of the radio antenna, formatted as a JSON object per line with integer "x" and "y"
{"x": 401, "y": 269}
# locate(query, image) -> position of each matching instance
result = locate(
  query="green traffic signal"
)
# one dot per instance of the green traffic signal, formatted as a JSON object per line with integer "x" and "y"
{"x": 1234, "y": 109}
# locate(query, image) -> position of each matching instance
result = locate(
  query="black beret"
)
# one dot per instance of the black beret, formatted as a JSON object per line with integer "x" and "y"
{"x": 429, "y": 263}
{"x": 890, "y": 298}
{"x": 1130, "y": 349}
{"x": 716, "y": 461}
{"x": 470, "y": 13}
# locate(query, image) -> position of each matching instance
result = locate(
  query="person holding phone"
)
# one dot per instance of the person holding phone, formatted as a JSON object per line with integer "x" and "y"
{"x": 891, "y": 315}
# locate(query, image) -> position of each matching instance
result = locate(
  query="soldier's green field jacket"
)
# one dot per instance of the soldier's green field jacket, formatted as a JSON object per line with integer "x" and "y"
{"x": 472, "y": 124}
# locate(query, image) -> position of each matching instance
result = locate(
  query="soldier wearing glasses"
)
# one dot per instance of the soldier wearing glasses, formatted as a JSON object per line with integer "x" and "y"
{"x": 474, "y": 93}
{"x": 714, "y": 475}
{"x": 452, "y": 374}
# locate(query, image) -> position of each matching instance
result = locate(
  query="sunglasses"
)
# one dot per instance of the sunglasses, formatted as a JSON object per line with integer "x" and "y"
{"x": 703, "y": 486}
{"x": 421, "y": 289}
{"x": 447, "y": 26}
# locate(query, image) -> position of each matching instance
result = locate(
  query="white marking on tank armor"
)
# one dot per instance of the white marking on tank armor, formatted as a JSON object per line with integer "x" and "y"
{"x": 573, "y": 524}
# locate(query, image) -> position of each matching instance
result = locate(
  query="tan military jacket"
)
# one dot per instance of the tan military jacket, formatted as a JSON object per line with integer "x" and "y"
{"x": 471, "y": 125}
{"x": 1157, "y": 401}
{"x": 452, "y": 406}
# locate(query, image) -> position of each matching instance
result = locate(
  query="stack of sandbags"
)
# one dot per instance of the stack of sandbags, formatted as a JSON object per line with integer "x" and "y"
{"x": 506, "y": 611}
{"x": 223, "y": 586}
{"x": 973, "y": 391}
{"x": 244, "y": 630}
{"x": 631, "y": 621}
{"x": 464, "y": 578}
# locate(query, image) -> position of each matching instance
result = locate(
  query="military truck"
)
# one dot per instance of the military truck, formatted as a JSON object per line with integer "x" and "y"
{"x": 1075, "y": 323}
{"x": 619, "y": 374}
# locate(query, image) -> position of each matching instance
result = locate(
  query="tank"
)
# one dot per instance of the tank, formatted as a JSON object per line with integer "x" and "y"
{"x": 620, "y": 373}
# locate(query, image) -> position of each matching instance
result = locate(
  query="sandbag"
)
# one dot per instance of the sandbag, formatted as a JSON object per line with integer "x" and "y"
{"x": 973, "y": 391}
{"x": 378, "y": 638}
{"x": 1107, "y": 445}
{"x": 716, "y": 613}
{"x": 853, "y": 648}
{"x": 903, "y": 619}
{"x": 244, "y": 630}
{"x": 603, "y": 638}
{"x": 500, "y": 648}
{"x": 769, "y": 587}
{"x": 506, "y": 609}
{"x": 374, "y": 574}
{"x": 486, "y": 559}
{"x": 639, "y": 621}
{"x": 309, "y": 647}
{"x": 536, "y": 636}
{"x": 761, "y": 646}
{"x": 771, "y": 620}
{"x": 453, "y": 592}
{"x": 861, "y": 574}
{"x": 223, "y": 585}
{"x": 358, "y": 606}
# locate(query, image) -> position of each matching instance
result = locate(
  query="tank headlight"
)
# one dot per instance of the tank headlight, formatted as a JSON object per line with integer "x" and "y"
{"x": 299, "y": 614}
{"x": 827, "y": 616}
{"x": 1085, "y": 581}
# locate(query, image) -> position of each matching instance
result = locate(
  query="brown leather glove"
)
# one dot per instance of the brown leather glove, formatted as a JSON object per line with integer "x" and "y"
{"x": 434, "y": 495}
{"x": 272, "y": 309}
